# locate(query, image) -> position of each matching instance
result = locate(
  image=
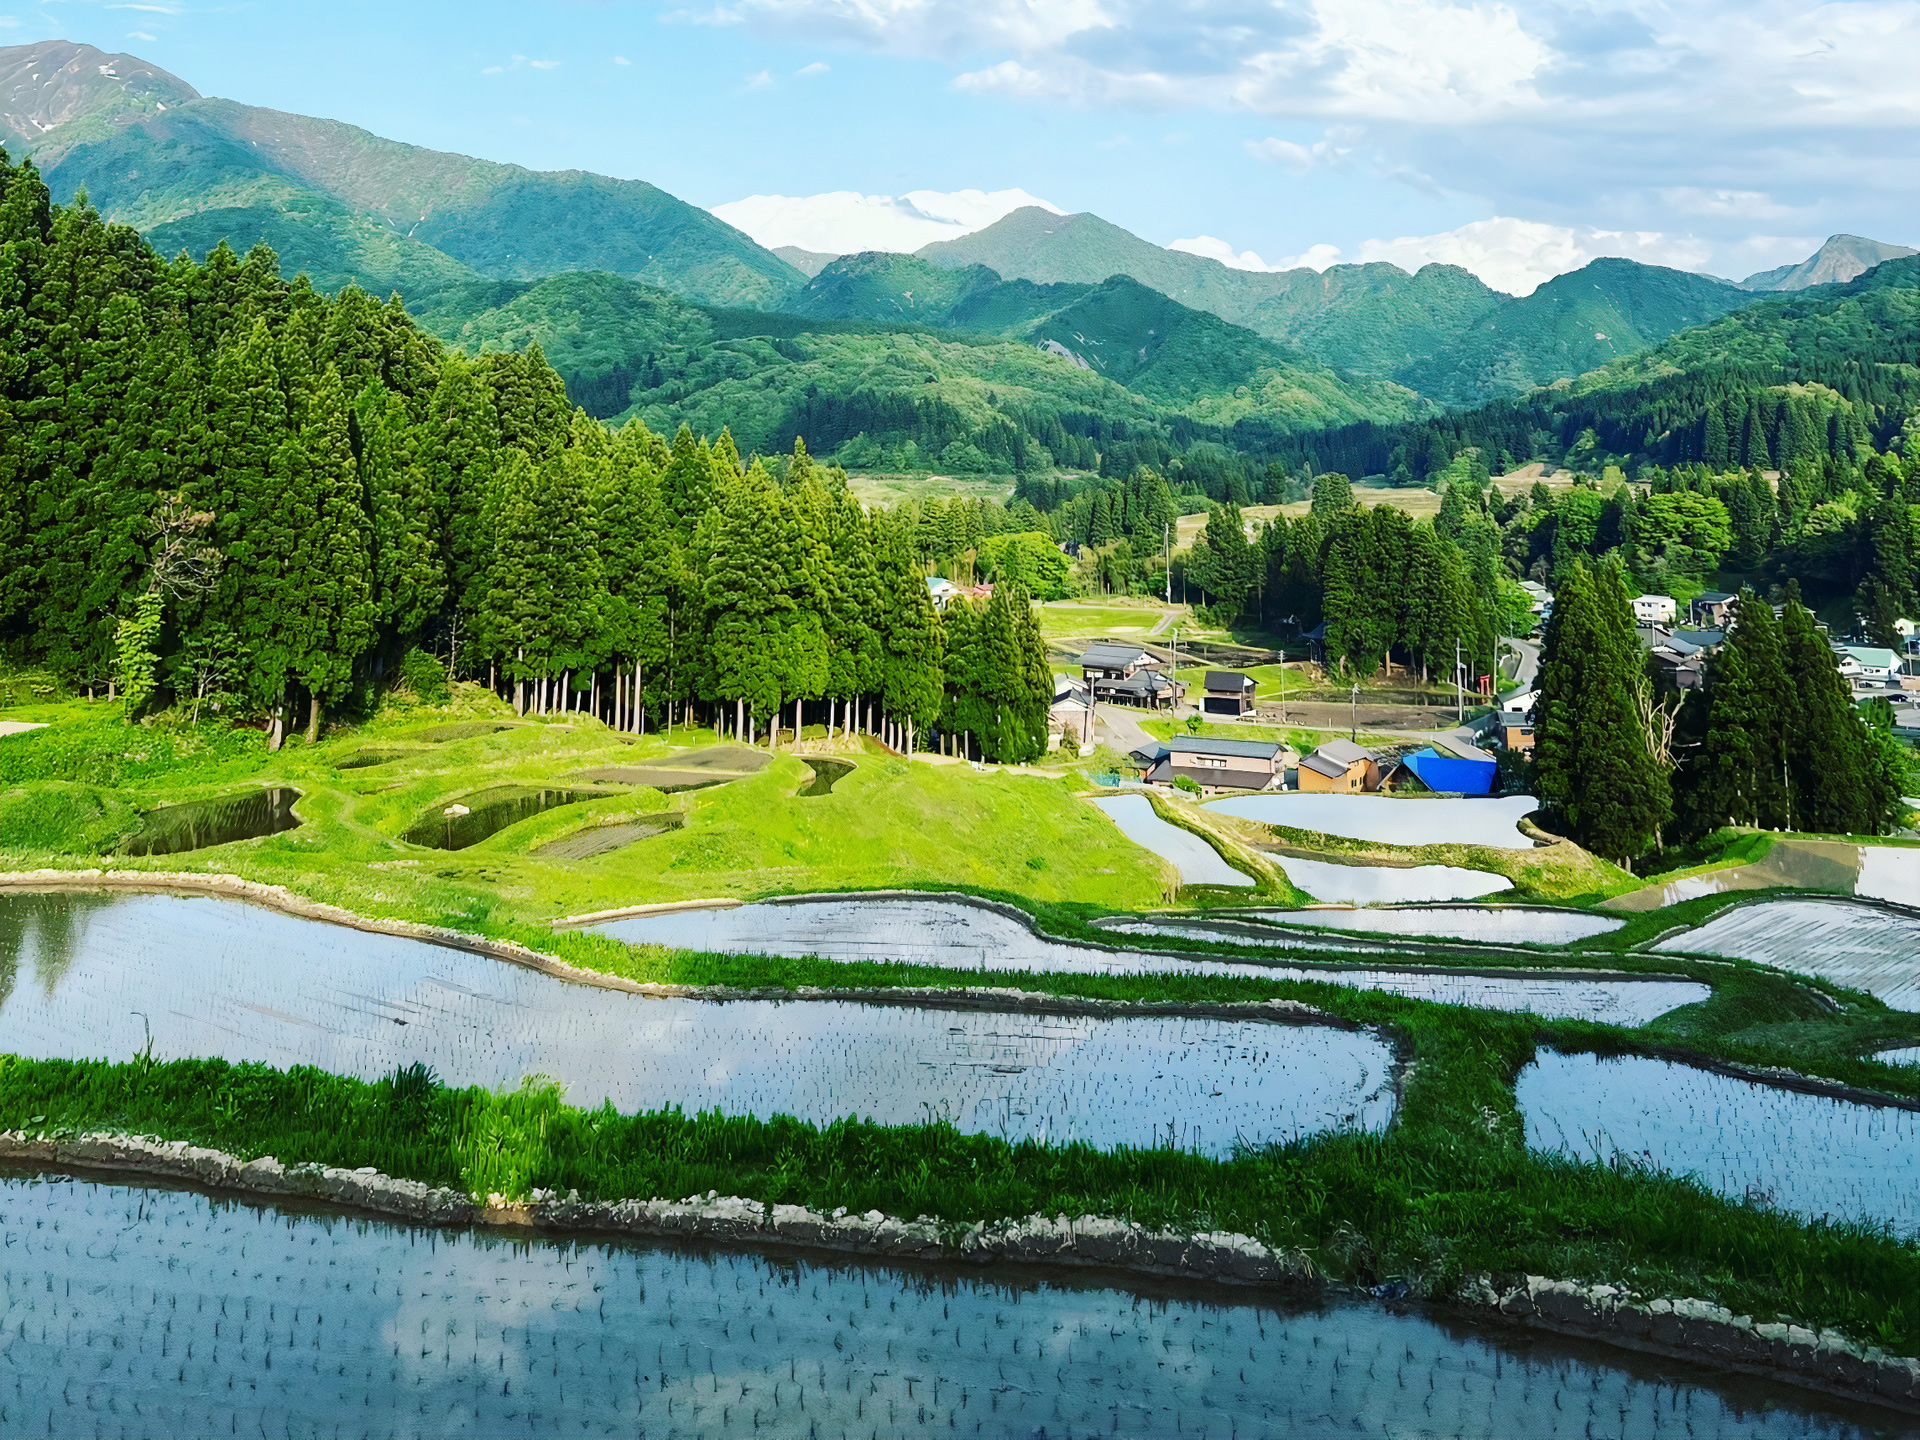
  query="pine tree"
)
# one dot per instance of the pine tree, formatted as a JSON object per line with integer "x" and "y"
{"x": 458, "y": 452}
{"x": 408, "y": 515}
{"x": 1743, "y": 770}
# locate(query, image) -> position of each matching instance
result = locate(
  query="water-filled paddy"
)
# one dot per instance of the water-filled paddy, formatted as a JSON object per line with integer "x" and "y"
{"x": 605, "y": 839}
{"x": 485, "y": 813}
{"x": 1389, "y": 821}
{"x": 826, "y": 774}
{"x": 1874, "y": 872}
{"x": 1866, "y": 947}
{"x": 135, "y": 1309}
{"x": 1389, "y": 884}
{"x": 1197, "y": 861}
{"x": 953, "y": 935}
{"x": 1807, "y": 1154}
{"x": 1905, "y": 1055}
{"x": 175, "y": 829}
{"x": 215, "y": 977}
{"x": 1492, "y": 925}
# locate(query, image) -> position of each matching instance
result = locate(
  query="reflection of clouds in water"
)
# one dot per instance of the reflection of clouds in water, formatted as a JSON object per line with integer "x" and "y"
{"x": 1889, "y": 872}
{"x": 362, "y": 1004}
{"x": 217, "y": 1318}
{"x": 1388, "y": 884}
{"x": 1386, "y": 820}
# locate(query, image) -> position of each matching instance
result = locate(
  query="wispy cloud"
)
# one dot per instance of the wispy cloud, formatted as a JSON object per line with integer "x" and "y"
{"x": 818, "y": 67}
{"x": 760, "y": 80}
{"x": 621, "y": 60}
{"x": 845, "y": 222}
{"x": 141, "y": 35}
{"x": 546, "y": 64}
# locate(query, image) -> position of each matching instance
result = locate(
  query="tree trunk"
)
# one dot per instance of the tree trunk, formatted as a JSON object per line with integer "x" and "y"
{"x": 740, "y": 722}
{"x": 313, "y": 719}
{"x": 593, "y": 699}
{"x": 277, "y": 732}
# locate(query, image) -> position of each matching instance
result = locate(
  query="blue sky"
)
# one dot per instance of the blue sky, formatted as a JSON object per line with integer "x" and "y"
{"x": 1519, "y": 139}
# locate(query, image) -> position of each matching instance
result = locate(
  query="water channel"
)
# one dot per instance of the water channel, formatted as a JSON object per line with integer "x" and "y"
{"x": 90, "y": 976}
{"x": 135, "y": 1309}
{"x": 1388, "y": 820}
{"x": 957, "y": 935}
{"x": 1197, "y": 861}
{"x": 1807, "y": 1154}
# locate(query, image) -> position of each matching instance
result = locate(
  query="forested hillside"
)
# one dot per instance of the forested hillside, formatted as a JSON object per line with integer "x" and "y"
{"x": 237, "y": 496}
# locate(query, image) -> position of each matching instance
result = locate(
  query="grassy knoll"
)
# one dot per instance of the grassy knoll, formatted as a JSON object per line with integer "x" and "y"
{"x": 1449, "y": 1191}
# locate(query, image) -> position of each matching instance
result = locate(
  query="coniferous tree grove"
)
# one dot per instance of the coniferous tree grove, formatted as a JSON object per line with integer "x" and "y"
{"x": 224, "y": 490}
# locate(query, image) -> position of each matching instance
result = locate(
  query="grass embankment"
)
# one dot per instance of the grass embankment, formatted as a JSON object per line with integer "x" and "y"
{"x": 69, "y": 794}
{"x": 1448, "y": 1192}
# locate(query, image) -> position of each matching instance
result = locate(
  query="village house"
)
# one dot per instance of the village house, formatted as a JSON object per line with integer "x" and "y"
{"x": 1340, "y": 765}
{"x": 1516, "y": 721}
{"x": 1128, "y": 675}
{"x": 1228, "y": 693}
{"x": 1452, "y": 766}
{"x": 1712, "y": 610}
{"x": 1214, "y": 764}
{"x": 1655, "y": 609}
{"x": 1071, "y": 713}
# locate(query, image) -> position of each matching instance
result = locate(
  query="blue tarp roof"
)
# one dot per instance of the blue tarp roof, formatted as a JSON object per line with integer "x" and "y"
{"x": 1450, "y": 774}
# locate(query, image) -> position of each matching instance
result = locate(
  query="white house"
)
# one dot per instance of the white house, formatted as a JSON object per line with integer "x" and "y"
{"x": 1655, "y": 609}
{"x": 1866, "y": 662}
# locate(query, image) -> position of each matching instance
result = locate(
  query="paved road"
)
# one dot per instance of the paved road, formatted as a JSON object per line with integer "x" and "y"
{"x": 1118, "y": 728}
{"x": 1527, "y": 669}
{"x": 1167, "y": 617}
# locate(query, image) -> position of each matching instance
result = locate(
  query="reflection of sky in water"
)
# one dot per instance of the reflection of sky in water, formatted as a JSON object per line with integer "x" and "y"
{"x": 1875, "y": 872}
{"x": 220, "y": 978}
{"x": 1197, "y": 861}
{"x": 1390, "y": 821}
{"x": 1864, "y": 947}
{"x": 202, "y": 1317}
{"x": 1810, "y": 1154}
{"x": 1906, "y": 1055}
{"x": 950, "y": 935}
{"x": 1503, "y": 925}
{"x": 1389, "y": 884}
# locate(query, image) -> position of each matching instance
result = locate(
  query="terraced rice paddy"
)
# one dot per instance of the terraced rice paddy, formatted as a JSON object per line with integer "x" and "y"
{"x": 1875, "y": 872}
{"x": 1387, "y": 820}
{"x": 1906, "y": 1055}
{"x": 1197, "y": 861}
{"x": 1485, "y": 924}
{"x": 826, "y": 774}
{"x": 605, "y": 839}
{"x": 96, "y": 977}
{"x": 141, "y": 1310}
{"x": 685, "y": 769}
{"x": 1866, "y": 947}
{"x": 199, "y": 824}
{"x": 485, "y": 813}
{"x": 462, "y": 730}
{"x": 1389, "y": 884}
{"x": 956, "y": 935}
{"x": 1808, "y": 1154}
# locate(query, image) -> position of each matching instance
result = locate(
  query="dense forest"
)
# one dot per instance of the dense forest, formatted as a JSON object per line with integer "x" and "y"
{"x": 230, "y": 494}
{"x": 1773, "y": 740}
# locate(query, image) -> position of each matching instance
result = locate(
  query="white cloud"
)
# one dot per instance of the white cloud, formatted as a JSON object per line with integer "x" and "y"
{"x": 546, "y": 64}
{"x": 621, "y": 60}
{"x": 1519, "y": 256}
{"x": 141, "y": 35}
{"x": 1298, "y": 159}
{"x": 1214, "y": 249}
{"x": 1516, "y": 256}
{"x": 844, "y": 222}
{"x": 494, "y": 70}
{"x": 818, "y": 67}
{"x": 760, "y": 81}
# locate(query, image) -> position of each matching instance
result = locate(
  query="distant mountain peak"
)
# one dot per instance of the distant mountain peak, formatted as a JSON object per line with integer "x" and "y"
{"x": 1842, "y": 258}
{"x": 56, "y": 83}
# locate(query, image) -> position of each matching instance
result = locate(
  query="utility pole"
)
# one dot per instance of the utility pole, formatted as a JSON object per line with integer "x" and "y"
{"x": 1353, "y": 714}
{"x": 1166, "y": 548}
{"x": 1459, "y": 683}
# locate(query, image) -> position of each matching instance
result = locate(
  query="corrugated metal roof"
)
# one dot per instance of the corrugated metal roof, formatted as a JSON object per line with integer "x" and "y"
{"x": 1344, "y": 753}
{"x": 1105, "y": 652}
{"x": 1229, "y": 680}
{"x": 1205, "y": 745}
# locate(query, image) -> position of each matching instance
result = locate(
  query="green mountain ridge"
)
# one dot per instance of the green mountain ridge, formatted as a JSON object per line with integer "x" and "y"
{"x": 146, "y": 161}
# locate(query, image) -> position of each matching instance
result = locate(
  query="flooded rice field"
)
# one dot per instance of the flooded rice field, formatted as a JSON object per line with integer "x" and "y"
{"x": 1486, "y": 924}
{"x": 461, "y": 730}
{"x": 142, "y": 1310}
{"x": 1197, "y": 861}
{"x": 1872, "y": 872}
{"x": 954, "y": 935}
{"x": 1865, "y": 947}
{"x": 1389, "y": 884}
{"x": 681, "y": 770}
{"x": 1805, "y": 1154}
{"x": 1390, "y": 821}
{"x": 367, "y": 759}
{"x": 485, "y": 813}
{"x": 175, "y": 829}
{"x": 94, "y": 977}
{"x": 1906, "y": 1055}
{"x": 605, "y": 839}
